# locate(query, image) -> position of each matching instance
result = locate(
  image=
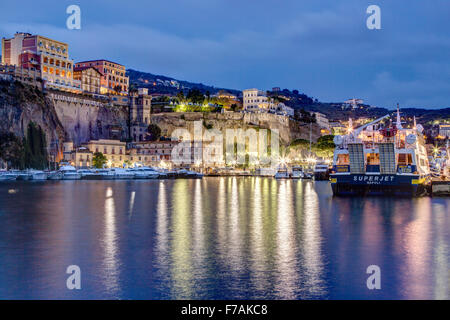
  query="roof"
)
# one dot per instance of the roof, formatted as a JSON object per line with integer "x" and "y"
{"x": 85, "y": 68}
{"x": 97, "y": 60}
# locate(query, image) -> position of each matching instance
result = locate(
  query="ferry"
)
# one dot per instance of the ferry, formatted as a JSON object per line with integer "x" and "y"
{"x": 381, "y": 157}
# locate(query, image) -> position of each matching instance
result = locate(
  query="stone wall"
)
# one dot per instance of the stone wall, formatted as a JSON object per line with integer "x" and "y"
{"x": 289, "y": 129}
{"x": 85, "y": 118}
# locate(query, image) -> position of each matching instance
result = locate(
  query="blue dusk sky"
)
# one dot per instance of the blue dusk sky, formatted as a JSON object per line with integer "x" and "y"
{"x": 320, "y": 47}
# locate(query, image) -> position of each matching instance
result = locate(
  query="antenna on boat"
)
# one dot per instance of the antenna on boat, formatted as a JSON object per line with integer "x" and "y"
{"x": 399, "y": 122}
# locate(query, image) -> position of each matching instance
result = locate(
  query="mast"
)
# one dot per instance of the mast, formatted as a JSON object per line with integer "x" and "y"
{"x": 399, "y": 122}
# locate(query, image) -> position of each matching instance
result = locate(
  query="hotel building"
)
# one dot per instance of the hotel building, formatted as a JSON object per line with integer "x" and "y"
{"x": 89, "y": 77}
{"x": 114, "y": 150}
{"x": 444, "y": 130}
{"x": 152, "y": 153}
{"x": 49, "y": 57}
{"x": 113, "y": 75}
{"x": 254, "y": 100}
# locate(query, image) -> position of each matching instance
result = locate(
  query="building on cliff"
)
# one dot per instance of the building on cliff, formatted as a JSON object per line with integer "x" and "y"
{"x": 89, "y": 78}
{"x": 257, "y": 101}
{"x": 47, "y": 56}
{"x": 113, "y": 79}
{"x": 140, "y": 110}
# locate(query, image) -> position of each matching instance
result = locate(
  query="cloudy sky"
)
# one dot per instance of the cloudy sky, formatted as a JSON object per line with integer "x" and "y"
{"x": 320, "y": 47}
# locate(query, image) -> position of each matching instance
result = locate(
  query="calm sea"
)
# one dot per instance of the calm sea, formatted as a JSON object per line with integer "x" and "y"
{"x": 218, "y": 238}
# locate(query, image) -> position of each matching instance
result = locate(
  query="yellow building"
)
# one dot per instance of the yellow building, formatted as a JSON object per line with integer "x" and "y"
{"x": 114, "y": 150}
{"x": 89, "y": 78}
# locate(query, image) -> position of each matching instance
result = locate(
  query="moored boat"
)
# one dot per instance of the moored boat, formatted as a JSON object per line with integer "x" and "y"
{"x": 381, "y": 158}
{"x": 297, "y": 172}
{"x": 321, "y": 171}
{"x": 282, "y": 173}
{"x": 69, "y": 173}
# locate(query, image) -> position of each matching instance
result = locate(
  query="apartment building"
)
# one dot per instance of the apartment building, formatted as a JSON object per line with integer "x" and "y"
{"x": 49, "y": 57}
{"x": 113, "y": 79}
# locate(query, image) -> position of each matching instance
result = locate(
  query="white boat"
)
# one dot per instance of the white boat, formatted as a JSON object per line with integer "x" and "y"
{"x": 8, "y": 175}
{"x": 55, "y": 175}
{"x": 23, "y": 175}
{"x": 144, "y": 173}
{"x": 282, "y": 173}
{"x": 265, "y": 172}
{"x": 69, "y": 173}
{"x": 121, "y": 173}
{"x": 85, "y": 172}
{"x": 297, "y": 172}
{"x": 38, "y": 175}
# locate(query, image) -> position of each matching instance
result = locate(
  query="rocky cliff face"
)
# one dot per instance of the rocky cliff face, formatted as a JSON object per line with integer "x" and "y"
{"x": 20, "y": 104}
{"x": 83, "y": 122}
{"x": 289, "y": 129}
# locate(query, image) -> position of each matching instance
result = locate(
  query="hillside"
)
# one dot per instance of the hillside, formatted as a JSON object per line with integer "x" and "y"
{"x": 166, "y": 85}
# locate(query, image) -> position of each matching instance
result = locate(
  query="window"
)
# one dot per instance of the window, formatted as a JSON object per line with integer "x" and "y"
{"x": 373, "y": 158}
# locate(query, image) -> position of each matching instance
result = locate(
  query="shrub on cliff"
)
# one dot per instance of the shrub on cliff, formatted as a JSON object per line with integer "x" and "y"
{"x": 11, "y": 149}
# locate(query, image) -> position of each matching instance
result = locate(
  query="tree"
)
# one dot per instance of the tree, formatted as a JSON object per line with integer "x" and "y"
{"x": 325, "y": 146}
{"x": 180, "y": 97}
{"x": 99, "y": 160}
{"x": 195, "y": 96}
{"x": 11, "y": 149}
{"x": 35, "y": 148}
{"x": 154, "y": 131}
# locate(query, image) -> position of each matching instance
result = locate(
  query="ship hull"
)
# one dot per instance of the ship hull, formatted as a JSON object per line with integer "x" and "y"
{"x": 383, "y": 184}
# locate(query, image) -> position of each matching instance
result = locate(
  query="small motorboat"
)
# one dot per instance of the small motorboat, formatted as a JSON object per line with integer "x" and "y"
{"x": 54, "y": 175}
{"x": 69, "y": 173}
{"x": 282, "y": 173}
{"x": 321, "y": 172}
{"x": 38, "y": 175}
{"x": 297, "y": 172}
{"x": 123, "y": 174}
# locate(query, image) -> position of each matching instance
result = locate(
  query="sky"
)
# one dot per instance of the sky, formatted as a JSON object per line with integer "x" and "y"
{"x": 322, "y": 48}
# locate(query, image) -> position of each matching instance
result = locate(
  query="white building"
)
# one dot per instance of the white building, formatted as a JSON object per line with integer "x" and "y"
{"x": 322, "y": 120}
{"x": 255, "y": 100}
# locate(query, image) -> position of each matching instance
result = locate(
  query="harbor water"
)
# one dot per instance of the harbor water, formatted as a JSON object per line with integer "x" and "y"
{"x": 218, "y": 238}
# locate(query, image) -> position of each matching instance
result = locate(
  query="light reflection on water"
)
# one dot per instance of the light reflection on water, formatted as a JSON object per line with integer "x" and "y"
{"x": 218, "y": 238}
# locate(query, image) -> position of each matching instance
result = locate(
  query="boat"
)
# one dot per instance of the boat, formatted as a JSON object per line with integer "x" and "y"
{"x": 54, "y": 175}
{"x": 85, "y": 172}
{"x": 8, "y": 175}
{"x": 265, "y": 172}
{"x": 69, "y": 173}
{"x": 38, "y": 175}
{"x": 99, "y": 174}
{"x": 297, "y": 172}
{"x": 145, "y": 173}
{"x": 122, "y": 174}
{"x": 23, "y": 176}
{"x": 282, "y": 173}
{"x": 321, "y": 171}
{"x": 379, "y": 158}
{"x": 307, "y": 175}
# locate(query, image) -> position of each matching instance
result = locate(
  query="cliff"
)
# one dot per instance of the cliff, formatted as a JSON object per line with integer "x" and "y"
{"x": 21, "y": 104}
{"x": 85, "y": 118}
{"x": 289, "y": 129}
